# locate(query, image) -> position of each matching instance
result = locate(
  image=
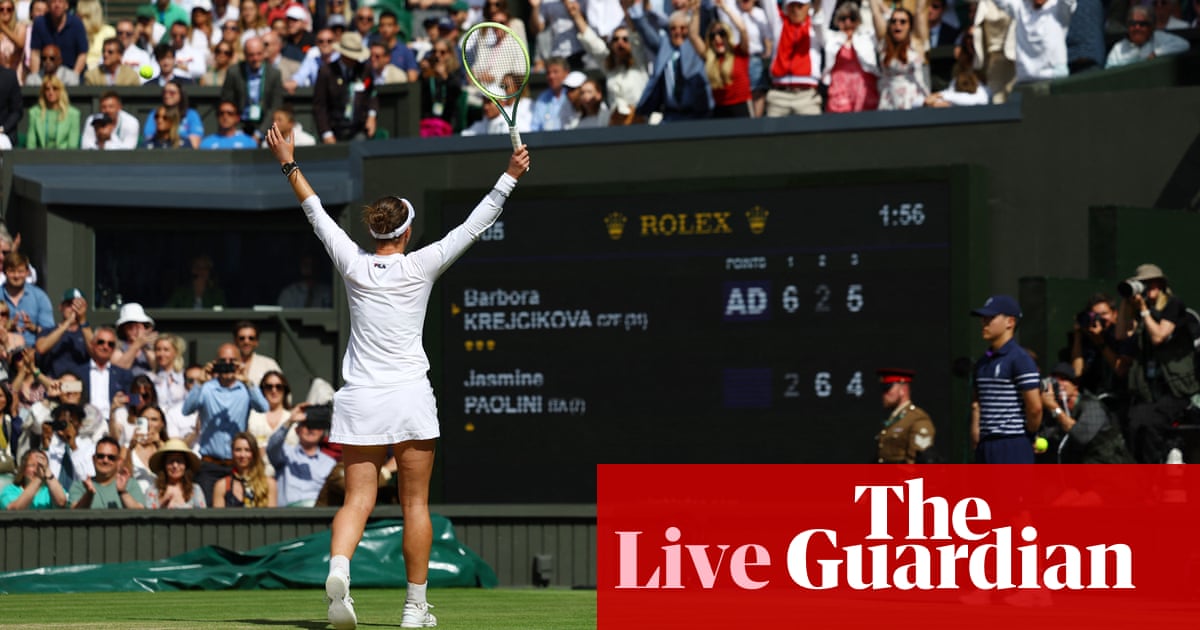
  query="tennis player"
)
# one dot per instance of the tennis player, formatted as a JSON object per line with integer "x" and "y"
{"x": 387, "y": 398}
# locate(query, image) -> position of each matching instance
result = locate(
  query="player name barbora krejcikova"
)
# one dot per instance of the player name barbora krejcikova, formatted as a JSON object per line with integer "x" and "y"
{"x": 963, "y": 562}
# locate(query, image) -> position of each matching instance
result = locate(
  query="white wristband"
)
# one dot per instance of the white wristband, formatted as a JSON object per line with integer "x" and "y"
{"x": 1145, "y": 312}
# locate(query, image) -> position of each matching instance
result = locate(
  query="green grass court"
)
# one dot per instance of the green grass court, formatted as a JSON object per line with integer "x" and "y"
{"x": 470, "y": 609}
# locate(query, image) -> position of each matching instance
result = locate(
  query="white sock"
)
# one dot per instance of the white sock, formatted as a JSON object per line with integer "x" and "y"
{"x": 416, "y": 593}
{"x": 339, "y": 564}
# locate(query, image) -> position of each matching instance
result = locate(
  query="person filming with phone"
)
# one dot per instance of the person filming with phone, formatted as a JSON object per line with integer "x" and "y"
{"x": 222, "y": 406}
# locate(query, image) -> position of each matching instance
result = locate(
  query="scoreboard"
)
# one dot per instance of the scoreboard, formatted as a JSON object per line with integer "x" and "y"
{"x": 730, "y": 321}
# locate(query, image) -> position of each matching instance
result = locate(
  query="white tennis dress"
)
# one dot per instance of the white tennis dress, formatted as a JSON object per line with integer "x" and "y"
{"x": 387, "y": 397}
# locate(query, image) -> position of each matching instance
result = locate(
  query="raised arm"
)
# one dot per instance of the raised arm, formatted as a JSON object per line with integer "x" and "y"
{"x": 922, "y": 25}
{"x": 285, "y": 152}
{"x": 877, "y": 16}
{"x": 743, "y": 45}
{"x": 694, "y": 35}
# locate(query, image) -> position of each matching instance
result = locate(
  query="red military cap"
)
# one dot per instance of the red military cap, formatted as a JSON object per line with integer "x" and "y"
{"x": 895, "y": 375}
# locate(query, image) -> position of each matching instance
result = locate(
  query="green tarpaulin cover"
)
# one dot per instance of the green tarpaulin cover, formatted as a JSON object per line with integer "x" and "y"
{"x": 297, "y": 563}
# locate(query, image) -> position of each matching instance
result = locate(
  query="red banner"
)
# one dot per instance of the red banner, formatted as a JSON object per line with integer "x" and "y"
{"x": 789, "y": 546}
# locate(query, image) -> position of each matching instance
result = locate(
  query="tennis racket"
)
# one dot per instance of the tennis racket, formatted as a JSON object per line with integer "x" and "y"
{"x": 497, "y": 62}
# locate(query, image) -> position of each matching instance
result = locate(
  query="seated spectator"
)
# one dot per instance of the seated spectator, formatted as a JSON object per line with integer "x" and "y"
{"x": 591, "y": 110}
{"x": 726, "y": 63}
{"x": 63, "y": 348}
{"x": 64, "y": 30}
{"x": 903, "y": 73}
{"x": 285, "y": 121}
{"x": 112, "y": 487}
{"x": 551, "y": 109}
{"x": 383, "y": 72}
{"x": 966, "y": 86}
{"x": 498, "y": 11}
{"x": 796, "y": 67}
{"x": 248, "y": 485}
{"x": 103, "y": 379}
{"x": 135, "y": 330}
{"x": 147, "y": 439}
{"x": 254, "y": 108}
{"x": 231, "y": 34}
{"x": 851, "y": 70}
{"x": 321, "y": 54}
{"x": 175, "y": 467}
{"x": 624, "y": 59}
{"x": 1078, "y": 426}
{"x": 1041, "y": 27}
{"x": 53, "y": 122}
{"x": 678, "y": 85}
{"x": 201, "y": 291}
{"x": 133, "y": 55}
{"x": 223, "y": 58}
{"x": 202, "y": 35}
{"x": 167, "y": 130}
{"x": 97, "y": 29}
{"x": 1162, "y": 373}
{"x": 191, "y": 127}
{"x": 229, "y": 134}
{"x": 189, "y": 62}
{"x": 1168, "y": 16}
{"x": 169, "y": 358}
{"x": 298, "y": 37}
{"x": 168, "y": 70}
{"x": 342, "y": 114}
{"x": 273, "y": 57}
{"x": 1143, "y": 40}
{"x": 441, "y": 90}
{"x": 120, "y": 130}
{"x": 33, "y": 486}
{"x": 940, "y": 33}
{"x": 301, "y": 469}
{"x": 251, "y": 22}
{"x": 52, "y": 67}
{"x": 111, "y": 71}
{"x": 307, "y": 291}
{"x": 493, "y": 124}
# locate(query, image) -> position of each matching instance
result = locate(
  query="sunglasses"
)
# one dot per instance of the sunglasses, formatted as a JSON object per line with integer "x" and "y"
{"x": 50, "y": 58}
{"x": 272, "y": 387}
{"x": 1141, "y": 23}
{"x": 224, "y": 52}
{"x": 226, "y": 112}
{"x": 106, "y": 457}
{"x": 125, "y": 33}
{"x": 324, "y": 41}
{"x": 193, "y": 381}
{"x": 106, "y": 342}
{"x": 245, "y": 337}
{"x": 6, "y": 10}
{"x": 225, "y": 27}
{"x": 902, "y": 22}
{"x": 620, "y": 38}
{"x": 4, "y": 313}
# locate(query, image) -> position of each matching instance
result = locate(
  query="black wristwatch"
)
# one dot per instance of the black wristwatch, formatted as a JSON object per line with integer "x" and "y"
{"x": 288, "y": 168}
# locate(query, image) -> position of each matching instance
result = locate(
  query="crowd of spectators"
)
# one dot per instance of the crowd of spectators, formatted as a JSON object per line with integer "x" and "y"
{"x": 607, "y": 62}
{"x": 116, "y": 417}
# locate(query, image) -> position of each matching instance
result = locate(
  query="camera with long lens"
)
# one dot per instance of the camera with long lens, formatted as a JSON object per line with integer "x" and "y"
{"x": 1130, "y": 288}
{"x": 58, "y": 425}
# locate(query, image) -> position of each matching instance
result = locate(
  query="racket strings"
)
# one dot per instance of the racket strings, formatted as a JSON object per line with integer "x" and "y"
{"x": 497, "y": 61}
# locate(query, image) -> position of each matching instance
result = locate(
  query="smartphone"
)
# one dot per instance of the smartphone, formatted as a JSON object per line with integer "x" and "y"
{"x": 143, "y": 426}
{"x": 135, "y": 400}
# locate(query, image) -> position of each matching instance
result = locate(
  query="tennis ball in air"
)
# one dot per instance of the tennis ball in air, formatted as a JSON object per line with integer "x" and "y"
{"x": 146, "y": 72}
{"x": 1040, "y": 445}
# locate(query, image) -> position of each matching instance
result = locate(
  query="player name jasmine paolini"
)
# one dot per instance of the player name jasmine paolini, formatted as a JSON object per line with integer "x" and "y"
{"x": 515, "y": 378}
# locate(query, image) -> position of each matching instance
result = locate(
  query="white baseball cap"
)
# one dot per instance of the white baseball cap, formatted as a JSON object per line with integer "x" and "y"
{"x": 575, "y": 79}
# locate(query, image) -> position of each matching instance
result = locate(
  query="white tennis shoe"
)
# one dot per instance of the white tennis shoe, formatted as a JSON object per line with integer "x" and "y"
{"x": 341, "y": 605}
{"x": 418, "y": 616}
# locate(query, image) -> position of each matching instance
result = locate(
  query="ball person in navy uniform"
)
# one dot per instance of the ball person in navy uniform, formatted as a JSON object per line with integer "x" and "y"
{"x": 907, "y": 434}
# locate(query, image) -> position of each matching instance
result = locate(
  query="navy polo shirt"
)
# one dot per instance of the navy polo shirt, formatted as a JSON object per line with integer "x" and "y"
{"x": 72, "y": 40}
{"x": 1001, "y": 377}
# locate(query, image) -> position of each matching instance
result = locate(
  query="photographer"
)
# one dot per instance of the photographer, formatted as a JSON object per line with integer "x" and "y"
{"x": 301, "y": 469}
{"x": 222, "y": 406}
{"x": 1095, "y": 354}
{"x": 1079, "y": 428}
{"x": 1162, "y": 377}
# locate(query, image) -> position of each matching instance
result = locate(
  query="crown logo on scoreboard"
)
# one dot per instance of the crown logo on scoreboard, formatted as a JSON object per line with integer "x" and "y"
{"x": 757, "y": 218}
{"x": 615, "y": 222}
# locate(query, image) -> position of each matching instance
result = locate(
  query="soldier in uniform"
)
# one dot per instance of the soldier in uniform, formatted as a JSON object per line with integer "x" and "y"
{"x": 907, "y": 434}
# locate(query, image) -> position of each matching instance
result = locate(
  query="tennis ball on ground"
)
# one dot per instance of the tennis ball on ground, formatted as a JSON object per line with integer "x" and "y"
{"x": 1040, "y": 445}
{"x": 146, "y": 72}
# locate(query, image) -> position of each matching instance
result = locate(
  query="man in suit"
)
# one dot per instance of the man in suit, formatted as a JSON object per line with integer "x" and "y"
{"x": 256, "y": 87}
{"x": 678, "y": 85}
{"x": 940, "y": 33}
{"x": 11, "y": 108}
{"x": 100, "y": 377}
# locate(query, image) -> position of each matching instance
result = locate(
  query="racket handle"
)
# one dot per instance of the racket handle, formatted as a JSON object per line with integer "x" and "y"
{"x": 514, "y": 134}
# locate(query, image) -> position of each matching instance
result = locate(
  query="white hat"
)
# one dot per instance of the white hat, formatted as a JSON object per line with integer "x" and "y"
{"x": 133, "y": 312}
{"x": 296, "y": 12}
{"x": 575, "y": 80}
{"x": 787, "y": 2}
{"x": 203, "y": 5}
